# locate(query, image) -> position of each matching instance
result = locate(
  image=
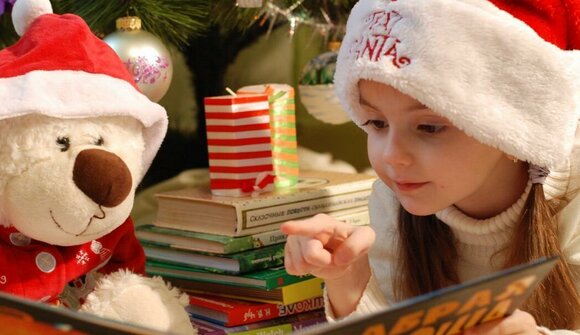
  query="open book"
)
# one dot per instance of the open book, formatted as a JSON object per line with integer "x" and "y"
{"x": 27, "y": 317}
{"x": 450, "y": 310}
{"x": 444, "y": 312}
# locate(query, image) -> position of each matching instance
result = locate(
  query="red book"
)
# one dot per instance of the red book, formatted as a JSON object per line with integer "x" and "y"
{"x": 232, "y": 312}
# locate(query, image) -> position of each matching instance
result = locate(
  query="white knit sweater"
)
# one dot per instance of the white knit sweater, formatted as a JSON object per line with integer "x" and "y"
{"x": 477, "y": 240}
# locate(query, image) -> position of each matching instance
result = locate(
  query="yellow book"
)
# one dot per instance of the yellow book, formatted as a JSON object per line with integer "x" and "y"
{"x": 285, "y": 295}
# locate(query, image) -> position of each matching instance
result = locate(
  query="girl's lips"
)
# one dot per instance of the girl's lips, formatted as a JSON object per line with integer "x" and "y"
{"x": 409, "y": 186}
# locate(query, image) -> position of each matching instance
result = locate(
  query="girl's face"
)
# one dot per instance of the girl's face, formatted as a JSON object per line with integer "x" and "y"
{"x": 429, "y": 163}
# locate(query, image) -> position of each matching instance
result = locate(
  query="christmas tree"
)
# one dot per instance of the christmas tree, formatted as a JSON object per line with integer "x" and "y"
{"x": 209, "y": 35}
{"x": 176, "y": 21}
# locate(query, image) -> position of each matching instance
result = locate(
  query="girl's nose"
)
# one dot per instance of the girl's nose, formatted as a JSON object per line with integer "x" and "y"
{"x": 397, "y": 150}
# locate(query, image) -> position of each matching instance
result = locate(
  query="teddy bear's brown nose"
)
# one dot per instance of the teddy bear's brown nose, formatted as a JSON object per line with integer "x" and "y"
{"x": 102, "y": 176}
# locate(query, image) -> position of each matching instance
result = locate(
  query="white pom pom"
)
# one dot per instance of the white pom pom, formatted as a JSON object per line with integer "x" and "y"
{"x": 26, "y": 11}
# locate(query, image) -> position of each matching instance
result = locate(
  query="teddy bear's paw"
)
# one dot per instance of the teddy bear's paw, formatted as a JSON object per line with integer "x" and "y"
{"x": 148, "y": 302}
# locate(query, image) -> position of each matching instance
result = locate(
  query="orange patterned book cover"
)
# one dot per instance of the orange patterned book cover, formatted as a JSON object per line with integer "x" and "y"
{"x": 26, "y": 317}
{"x": 451, "y": 310}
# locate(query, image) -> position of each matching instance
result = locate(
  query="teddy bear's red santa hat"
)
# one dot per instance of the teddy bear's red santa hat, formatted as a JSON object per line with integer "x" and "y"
{"x": 503, "y": 71}
{"x": 59, "y": 68}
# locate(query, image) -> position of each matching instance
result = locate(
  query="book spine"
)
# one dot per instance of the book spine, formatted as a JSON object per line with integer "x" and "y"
{"x": 357, "y": 218}
{"x": 285, "y": 295}
{"x": 299, "y": 325}
{"x": 247, "y": 261}
{"x": 284, "y": 325}
{"x": 206, "y": 328}
{"x": 307, "y": 305}
{"x": 272, "y": 330}
{"x": 259, "y": 259}
{"x": 265, "y": 218}
{"x": 283, "y": 279}
{"x": 302, "y": 291}
{"x": 249, "y": 314}
{"x": 255, "y": 241}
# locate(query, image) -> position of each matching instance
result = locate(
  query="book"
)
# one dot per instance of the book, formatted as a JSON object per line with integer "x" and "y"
{"x": 238, "y": 263}
{"x": 27, "y": 317}
{"x": 286, "y": 294}
{"x": 234, "y": 312}
{"x": 358, "y": 216}
{"x": 210, "y": 243}
{"x": 196, "y": 209}
{"x": 283, "y": 325}
{"x": 267, "y": 279}
{"x": 450, "y": 310}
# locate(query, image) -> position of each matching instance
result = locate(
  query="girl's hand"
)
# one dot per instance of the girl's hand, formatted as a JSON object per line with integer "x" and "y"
{"x": 324, "y": 246}
{"x": 519, "y": 322}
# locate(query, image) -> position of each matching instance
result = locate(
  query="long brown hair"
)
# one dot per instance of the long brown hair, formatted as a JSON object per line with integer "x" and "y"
{"x": 554, "y": 304}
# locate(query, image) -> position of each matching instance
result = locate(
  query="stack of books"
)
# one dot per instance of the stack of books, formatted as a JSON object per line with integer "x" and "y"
{"x": 228, "y": 253}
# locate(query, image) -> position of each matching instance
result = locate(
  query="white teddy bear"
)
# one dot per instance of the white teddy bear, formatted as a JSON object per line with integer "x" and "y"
{"x": 76, "y": 138}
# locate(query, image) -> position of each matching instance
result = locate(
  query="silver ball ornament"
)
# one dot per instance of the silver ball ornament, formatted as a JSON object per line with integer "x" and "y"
{"x": 144, "y": 55}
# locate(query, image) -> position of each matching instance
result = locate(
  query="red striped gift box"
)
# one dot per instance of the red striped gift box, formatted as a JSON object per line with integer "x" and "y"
{"x": 239, "y": 144}
{"x": 283, "y": 127}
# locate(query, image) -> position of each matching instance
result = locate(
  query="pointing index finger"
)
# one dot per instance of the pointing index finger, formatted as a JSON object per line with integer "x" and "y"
{"x": 308, "y": 227}
{"x": 321, "y": 227}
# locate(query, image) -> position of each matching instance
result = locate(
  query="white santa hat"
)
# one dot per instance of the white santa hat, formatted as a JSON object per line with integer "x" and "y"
{"x": 59, "y": 68}
{"x": 503, "y": 76}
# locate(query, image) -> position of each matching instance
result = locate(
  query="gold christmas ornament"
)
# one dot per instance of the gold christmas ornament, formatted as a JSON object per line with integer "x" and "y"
{"x": 145, "y": 56}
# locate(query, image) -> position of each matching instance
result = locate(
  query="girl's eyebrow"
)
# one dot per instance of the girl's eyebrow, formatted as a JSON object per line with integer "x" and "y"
{"x": 362, "y": 101}
{"x": 417, "y": 106}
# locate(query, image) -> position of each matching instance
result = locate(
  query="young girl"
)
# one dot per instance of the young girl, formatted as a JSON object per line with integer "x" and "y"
{"x": 472, "y": 110}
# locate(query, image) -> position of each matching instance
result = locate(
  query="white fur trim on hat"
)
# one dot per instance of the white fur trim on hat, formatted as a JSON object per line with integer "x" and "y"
{"x": 26, "y": 11}
{"x": 489, "y": 73}
{"x": 78, "y": 94}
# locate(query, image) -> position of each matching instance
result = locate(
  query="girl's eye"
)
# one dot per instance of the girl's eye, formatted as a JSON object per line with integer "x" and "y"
{"x": 63, "y": 142}
{"x": 376, "y": 124}
{"x": 431, "y": 128}
{"x": 99, "y": 141}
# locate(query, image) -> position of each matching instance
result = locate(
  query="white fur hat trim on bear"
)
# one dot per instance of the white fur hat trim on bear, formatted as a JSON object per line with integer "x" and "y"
{"x": 26, "y": 11}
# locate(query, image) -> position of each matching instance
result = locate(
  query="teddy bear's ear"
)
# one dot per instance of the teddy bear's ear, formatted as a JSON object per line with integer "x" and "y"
{"x": 26, "y": 11}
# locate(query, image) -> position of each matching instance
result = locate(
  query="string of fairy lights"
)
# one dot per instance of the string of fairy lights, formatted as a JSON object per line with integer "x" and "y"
{"x": 272, "y": 13}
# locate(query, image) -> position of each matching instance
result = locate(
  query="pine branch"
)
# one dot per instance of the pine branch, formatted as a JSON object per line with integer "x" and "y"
{"x": 233, "y": 18}
{"x": 230, "y": 18}
{"x": 174, "y": 21}
{"x": 100, "y": 15}
{"x": 7, "y": 33}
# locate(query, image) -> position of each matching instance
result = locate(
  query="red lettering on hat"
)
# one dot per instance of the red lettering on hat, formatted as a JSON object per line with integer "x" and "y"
{"x": 377, "y": 42}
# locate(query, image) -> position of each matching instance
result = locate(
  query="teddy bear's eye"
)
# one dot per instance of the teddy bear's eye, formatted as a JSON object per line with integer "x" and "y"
{"x": 63, "y": 142}
{"x": 99, "y": 141}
